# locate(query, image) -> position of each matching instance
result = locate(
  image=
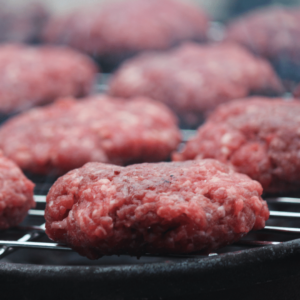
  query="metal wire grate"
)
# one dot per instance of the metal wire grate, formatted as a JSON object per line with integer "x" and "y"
{"x": 281, "y": 222}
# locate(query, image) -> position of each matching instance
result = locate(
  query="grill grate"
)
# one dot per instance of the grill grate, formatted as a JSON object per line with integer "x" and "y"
{"x": 280, "y": 228}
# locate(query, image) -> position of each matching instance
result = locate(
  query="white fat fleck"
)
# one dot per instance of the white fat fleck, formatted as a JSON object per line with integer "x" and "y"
{"x": 191, "y": 78}
{"x": 225, "y": 150}
{"x": 232, "y": 191}
{"x": 187, "y": 183}
{"x": 221, "y": 211}
{"x": 64, "y": 144}
{"x": 97, "y": 213}
{"x": 226, "y": 138}
{"x": 108, "y": 189}
{"x": 215, "y": 179}
{"x": 104, "y": 181}
{"x": 208, "y": 216}
{"x": 77, "y": 179}
{"x": 87, "y": 191}
{"x": 252, "y": 109}
{"x": 87, "y": 143}
{"x": 132, "y": 76}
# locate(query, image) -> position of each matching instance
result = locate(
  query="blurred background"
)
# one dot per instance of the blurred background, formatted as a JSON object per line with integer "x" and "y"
{"x": 218, "y": 9}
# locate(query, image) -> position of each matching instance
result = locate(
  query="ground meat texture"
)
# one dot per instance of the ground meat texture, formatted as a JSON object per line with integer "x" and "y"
{"x": 259, "y": 137}
{"x": 69, "y": 133}
{"x": 16, "y": 194}
{"x": 271, "y": 32}
{"x": 37, "y": 75}
{"x": 193, "y": 79}
{"x": 158, "y": 208}
{"x": 118, "y": 28}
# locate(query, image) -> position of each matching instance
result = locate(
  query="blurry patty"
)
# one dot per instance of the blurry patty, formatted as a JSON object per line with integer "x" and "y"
{"x": 193, "y": 79}
{"x": 69, "y": 133}
{"x": 259, "y": 137}
{"x": 118, "y": 28}
{"x": 16, "y": 194}
{"x": 35, "y": 75}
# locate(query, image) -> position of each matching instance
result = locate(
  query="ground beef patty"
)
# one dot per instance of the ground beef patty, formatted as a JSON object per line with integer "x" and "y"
{"x": 194, "y": 79}
{"x": 158, "y": 208}
{"x": 16, "y": 194}
{"x": 270, "y": 32}
{"x": 36, "y": 75}
{"x": 259, "y": 137}
{"x": 69, "y": 133}
{"x": 120, "y": 28}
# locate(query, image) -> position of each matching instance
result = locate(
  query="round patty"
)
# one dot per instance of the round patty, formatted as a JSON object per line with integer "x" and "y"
{"x": 16, "y": 194}
{"x": 271, "y": 32}
{"x": 37, "y": 75}
{"x": 194, "y": 79}
{"x": 259, "y": 137}
{"x": 158, "y": 208}
{"x": 69, "y": 133}
{"x": 118, "y": 28}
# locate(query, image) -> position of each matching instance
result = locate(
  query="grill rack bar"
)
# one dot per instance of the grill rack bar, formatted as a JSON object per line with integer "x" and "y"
{"x": 35, "y": 232}
{"x": 7, "y": 249}
{"x": 34, "y": 245}
{"x": 36, "y": 212}
{"x": 287, "y": 200}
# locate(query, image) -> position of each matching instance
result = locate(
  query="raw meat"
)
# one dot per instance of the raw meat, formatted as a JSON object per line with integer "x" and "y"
{"x": 36, "y": 75}
{"x": 259, "y": 137}
{"x": 69, "y": 133}
{"x": 160, "y": 208}
{"x": 193, "y": 79}
{"x": 16, "y": 194}
{"x": 120, "y": 28}
{"x": 271, "y": 32}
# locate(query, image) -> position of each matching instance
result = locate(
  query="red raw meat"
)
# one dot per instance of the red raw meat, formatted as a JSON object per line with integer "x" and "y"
{"x": 270, "y": 32}
{"x": 36, "y": 75}
{"x": 160, "y": 208}
{"x": 193, "y": 79}
{"x": 129, "y": 26}
{"x": 67, "y": 134}
{"x": 16, "y": 194}
{"x": 259, "y": 137}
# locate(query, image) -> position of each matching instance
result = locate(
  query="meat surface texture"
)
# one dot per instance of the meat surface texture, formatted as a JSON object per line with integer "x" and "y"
{"x": 159, "y": 208}
{"x": 270, "y": 32}
{"x": 36, "y": 75}
{"x": 129, "y": 26}
{"x": 193, "y": 79}
{"x": 69, "y": 133}
{"x": 259, "y": 137}
{"x": 16, "y": 194}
